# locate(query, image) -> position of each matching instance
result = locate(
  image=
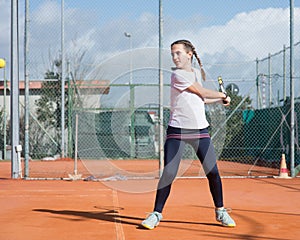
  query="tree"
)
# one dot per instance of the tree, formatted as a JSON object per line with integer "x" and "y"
{"x": 2, "y": 130}
{"x": 234, "y": 141}
{"x": 49, "y": 105}
{"x": 48, "y": 109}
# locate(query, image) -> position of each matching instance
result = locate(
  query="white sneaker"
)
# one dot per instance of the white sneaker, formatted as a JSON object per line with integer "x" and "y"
{"x": 223, "y": 217}
{"x": 152, "y": 220}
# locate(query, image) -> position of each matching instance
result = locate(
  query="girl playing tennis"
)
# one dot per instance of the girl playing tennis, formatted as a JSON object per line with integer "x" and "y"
{"x": 188, "y": 124}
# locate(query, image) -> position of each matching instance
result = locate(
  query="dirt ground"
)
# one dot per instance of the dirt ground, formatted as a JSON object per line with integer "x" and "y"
{"x": 263, "y": 208}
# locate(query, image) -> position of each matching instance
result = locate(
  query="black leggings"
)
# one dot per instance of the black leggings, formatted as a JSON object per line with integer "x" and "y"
{"x": 173, "y": 150}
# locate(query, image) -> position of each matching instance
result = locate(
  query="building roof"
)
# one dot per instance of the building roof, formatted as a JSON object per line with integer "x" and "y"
{"x": 87, "y": 86}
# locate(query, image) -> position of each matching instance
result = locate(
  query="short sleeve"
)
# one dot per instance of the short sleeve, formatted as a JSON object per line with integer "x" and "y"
{"x": 181, "y": 80}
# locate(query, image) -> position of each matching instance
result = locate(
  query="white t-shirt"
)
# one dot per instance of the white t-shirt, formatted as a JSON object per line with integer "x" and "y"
{"x": 187, "y": 108}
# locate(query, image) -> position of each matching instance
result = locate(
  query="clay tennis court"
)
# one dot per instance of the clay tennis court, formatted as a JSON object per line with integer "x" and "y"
{"x": 263, "y": 208}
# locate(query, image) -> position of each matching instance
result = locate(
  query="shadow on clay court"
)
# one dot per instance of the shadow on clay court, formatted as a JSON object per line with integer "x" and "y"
{"x": 280, "y": 184}
{"x": 112, "y": 216}
{"x": 108, "y": 215}
{"x": 240, "y": 211}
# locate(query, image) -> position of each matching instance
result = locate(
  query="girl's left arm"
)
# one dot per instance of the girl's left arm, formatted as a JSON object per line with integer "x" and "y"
{"x": 208, "y": 95}
{"x": 225, "y": 102}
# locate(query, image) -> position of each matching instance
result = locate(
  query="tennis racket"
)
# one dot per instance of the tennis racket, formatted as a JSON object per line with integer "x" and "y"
{"x": 221, "y": 87}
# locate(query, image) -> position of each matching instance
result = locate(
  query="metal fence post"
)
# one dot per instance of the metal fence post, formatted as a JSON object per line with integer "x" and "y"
{"x": 161, "y": 94}
{"x": 292, "y": 91}
{"x": 26, "y": 133}
{"x": 14, "y": 94}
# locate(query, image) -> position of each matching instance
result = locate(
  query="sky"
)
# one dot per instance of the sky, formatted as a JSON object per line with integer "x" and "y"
{"x": 207, "y": 23}
{"x": 220, "y": 11}
{"x": 223, "y": 31}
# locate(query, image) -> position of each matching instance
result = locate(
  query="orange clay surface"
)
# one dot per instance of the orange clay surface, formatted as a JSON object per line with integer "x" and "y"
{"x": 263, "y": 208}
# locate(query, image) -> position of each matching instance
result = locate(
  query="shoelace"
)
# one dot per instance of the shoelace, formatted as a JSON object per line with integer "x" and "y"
{"x": 225, "y": 216}
{"x": 153, "y": 217}
{"x": 224, "y": 212}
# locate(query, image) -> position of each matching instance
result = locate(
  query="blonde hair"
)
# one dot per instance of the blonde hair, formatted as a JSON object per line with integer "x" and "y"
{"x": 190, "y": 47}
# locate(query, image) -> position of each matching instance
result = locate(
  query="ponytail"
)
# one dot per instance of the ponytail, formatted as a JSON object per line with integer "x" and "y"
{"x": 203, "y": 75}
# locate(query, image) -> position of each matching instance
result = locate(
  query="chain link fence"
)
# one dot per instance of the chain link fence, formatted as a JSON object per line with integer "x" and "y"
{"x": 109, "y": 61}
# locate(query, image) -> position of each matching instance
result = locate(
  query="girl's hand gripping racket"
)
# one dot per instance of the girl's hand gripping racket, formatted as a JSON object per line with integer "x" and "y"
{"x": 222, "y": 88}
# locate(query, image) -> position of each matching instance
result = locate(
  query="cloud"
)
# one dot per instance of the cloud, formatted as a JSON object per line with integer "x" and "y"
{"x": 254, "y": 34}
{"x": 247, "y": 36}
{"x": 5, "y": 30}
{"x": 48, "y": 12}
{"x": 83, "y": 42}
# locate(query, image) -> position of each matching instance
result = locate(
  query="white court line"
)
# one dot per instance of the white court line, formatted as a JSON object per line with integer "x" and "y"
{"x": 59, "y": 193}
{"x": 118, "y": 224}
{"x": 52, "y": 190}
